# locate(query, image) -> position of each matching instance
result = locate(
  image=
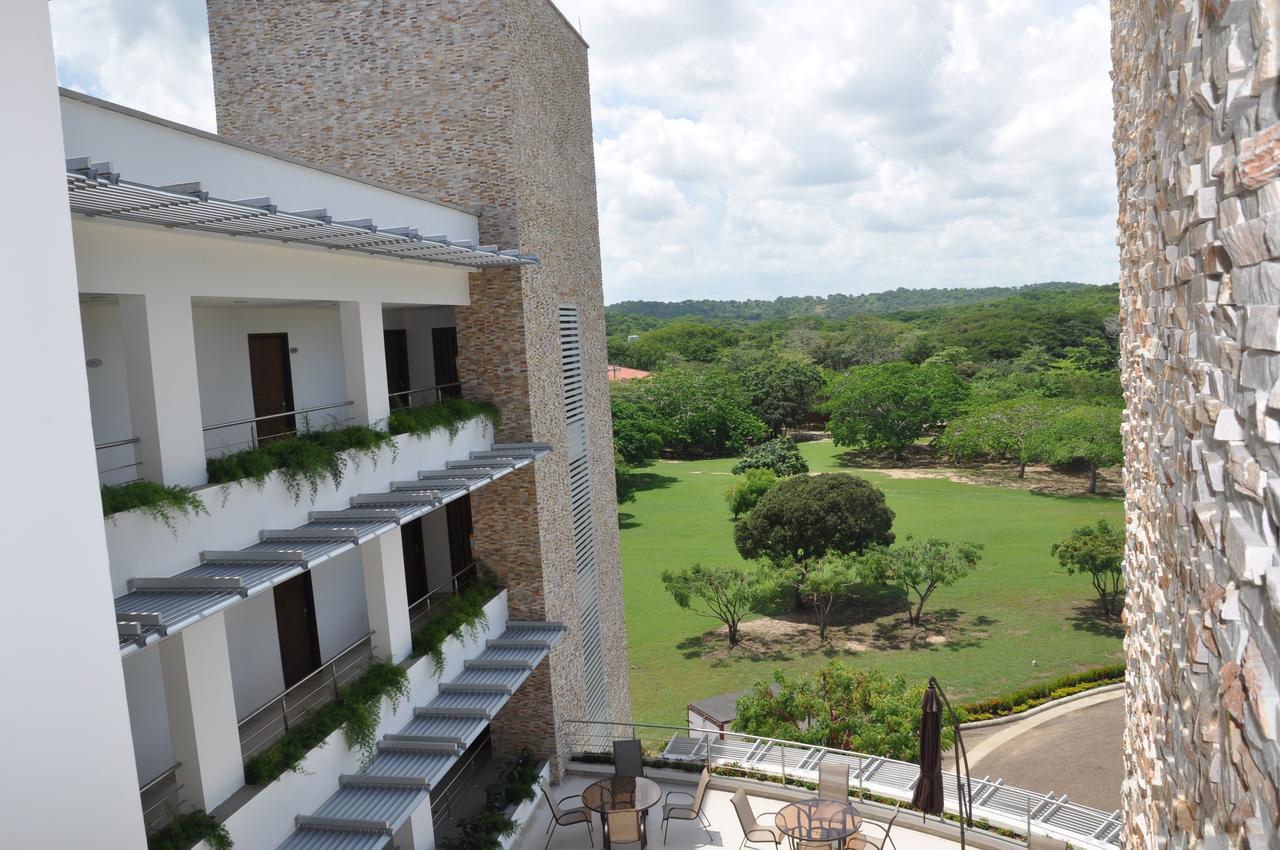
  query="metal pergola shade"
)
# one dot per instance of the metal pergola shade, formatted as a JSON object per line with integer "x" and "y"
{"x": 95, "y": 190}
{"x": 157, "y": 607}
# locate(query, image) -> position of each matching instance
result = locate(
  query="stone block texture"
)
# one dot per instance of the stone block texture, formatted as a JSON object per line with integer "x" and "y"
{"x": 1197, "y": 149}
{"x": 484, "y": 104}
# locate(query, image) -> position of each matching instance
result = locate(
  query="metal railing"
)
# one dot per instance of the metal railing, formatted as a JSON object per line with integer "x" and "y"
{"x": 116, "y": 444}
{"x": 160, "y": 799}
{"x": 268, "y": 724}
{"x": 440, "y": 392}
{"x": 459, "y": 779}
{"x": 794, "y": 763}
{"x": 302, "y": 425}
{"x": 421, "y": 612}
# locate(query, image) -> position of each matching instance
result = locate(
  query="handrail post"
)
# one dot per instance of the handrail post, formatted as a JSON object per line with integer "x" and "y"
{"x": 782, "y": 762}
{"x": 860, "y": 779}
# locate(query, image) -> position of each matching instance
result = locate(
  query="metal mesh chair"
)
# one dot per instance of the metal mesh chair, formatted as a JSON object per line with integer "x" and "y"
{"x": 687, "y": 811}
{"x": 566, "y": 817}
{"x": 626, "y": 827}
{"x": 752, "y": 830}
{"x": 628, "y": 758}
{"x": 833, "y": 781}
{"x": 861, "y": 841}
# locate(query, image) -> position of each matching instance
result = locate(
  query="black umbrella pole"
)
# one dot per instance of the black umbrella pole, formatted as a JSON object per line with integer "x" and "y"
{"x": 964, "y": 792}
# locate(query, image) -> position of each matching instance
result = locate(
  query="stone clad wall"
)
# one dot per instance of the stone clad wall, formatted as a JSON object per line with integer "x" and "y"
{"x": 1197, "y": 156}
{"x": 484, "y": 104}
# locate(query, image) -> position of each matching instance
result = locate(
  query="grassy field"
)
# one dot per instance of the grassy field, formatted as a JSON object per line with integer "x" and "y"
{"x": 1019, "y": 619}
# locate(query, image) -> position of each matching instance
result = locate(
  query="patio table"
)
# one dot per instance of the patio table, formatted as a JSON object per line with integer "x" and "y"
{"x": 818, "y": 821}
{"x": 621, "y": 793}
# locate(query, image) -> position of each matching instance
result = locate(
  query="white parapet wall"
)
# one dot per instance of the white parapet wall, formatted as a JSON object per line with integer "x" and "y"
{"x": 140, "y": 546}
{"x": 268, "y": 818}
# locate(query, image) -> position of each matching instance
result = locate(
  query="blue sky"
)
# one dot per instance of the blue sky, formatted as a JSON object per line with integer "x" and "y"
{"x": 756, "y": 148}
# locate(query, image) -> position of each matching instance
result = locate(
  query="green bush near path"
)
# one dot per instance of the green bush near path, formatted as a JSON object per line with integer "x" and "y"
{"x": 1037, "y": 695}
{"x": 1019, "y": 621}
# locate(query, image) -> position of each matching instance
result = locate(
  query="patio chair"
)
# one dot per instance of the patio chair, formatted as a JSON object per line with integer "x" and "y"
{"x": 860, "y": 840}
{"x": 628, "y": 759}
{"x": 752, "y": 830}
{"x": 833, "y": 781}
{"x": 691, "y": 810}
{"x": 626, "y": 827}
{"x": 566, "y": 817}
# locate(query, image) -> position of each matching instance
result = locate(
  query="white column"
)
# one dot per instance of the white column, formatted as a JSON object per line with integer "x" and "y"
{"x": 202, "y": 712}
{"x": 365, "y": 357}
{"x": 422, "y": 827}
{"x": 164, "y": 396}
{"x": 68, "y": 776}
{"x": 386, "y": 596}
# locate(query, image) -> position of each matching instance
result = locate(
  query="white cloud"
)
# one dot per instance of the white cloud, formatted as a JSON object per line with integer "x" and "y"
{"x": 752, "y": 148}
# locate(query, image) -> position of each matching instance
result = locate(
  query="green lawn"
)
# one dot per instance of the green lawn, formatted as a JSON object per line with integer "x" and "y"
{"x": 1017, "y": 620}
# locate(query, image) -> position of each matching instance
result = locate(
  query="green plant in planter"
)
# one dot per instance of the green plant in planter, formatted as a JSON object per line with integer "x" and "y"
{"x": 303, "y": 460}
{"x": 481, "y": 831}
{"x": 356, "y": 710}
{"x": 463, "y": 612}
{"x": 521, "y": 778}
{"x": 449, "y": 415}
{"x": 160, "y": 502}
{"x": 186, "y": 830}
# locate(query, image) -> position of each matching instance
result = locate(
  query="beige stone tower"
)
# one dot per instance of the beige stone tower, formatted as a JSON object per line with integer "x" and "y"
{"x": 484, "y": 104}
{"x": 1197, "y": 144}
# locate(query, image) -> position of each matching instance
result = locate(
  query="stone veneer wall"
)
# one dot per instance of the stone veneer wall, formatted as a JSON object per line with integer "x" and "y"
{"x": 484, "y": 104}
{"x": 1197, "y": 149}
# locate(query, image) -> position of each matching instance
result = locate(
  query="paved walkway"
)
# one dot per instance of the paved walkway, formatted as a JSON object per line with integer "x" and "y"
{"x": 1076, "y": 749}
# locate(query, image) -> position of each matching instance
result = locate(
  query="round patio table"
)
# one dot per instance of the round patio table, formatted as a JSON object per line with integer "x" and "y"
{"x": 620, "y": 793}
{"x": 818, "y": 821}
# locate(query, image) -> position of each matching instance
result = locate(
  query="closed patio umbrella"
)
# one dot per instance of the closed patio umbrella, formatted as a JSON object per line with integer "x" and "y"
{"x": 928, "y": 793}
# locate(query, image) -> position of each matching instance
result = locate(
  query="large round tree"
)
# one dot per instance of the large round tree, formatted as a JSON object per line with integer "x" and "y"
{"x": 803, "y": 518}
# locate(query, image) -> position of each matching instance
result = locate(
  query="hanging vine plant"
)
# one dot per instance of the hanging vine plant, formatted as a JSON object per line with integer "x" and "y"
{"x": 305, "y": 461}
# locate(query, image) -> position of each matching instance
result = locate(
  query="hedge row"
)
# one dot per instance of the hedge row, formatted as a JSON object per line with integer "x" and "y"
{"x": 1035, "y": 695}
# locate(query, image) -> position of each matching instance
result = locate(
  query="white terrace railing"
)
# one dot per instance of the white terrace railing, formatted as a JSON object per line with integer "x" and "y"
{"x": 1027, "y": 812}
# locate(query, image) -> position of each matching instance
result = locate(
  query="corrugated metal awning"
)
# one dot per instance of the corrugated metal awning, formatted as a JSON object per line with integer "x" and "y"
{"x": 157, "y": 607}
{"x": 95, "y": 189}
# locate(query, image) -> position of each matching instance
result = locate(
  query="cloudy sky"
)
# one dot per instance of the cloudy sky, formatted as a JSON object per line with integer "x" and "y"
{"x": 755, "y": 148}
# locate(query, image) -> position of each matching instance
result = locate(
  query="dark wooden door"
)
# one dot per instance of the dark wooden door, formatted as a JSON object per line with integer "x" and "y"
{"x": 296, "y": 629}
{"x": 458, "y": 517}
{"x": 396, "y": 344}
{"x": 444, "y": 351}
{"x": 415, "y": 560}
{"x": 272, "y": 382}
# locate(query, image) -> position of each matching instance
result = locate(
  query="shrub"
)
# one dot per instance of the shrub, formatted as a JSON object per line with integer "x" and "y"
{"x": 305, "y": 459}
{"x": 187, "y": 830}
{"x": 463, "y": 611}
{"x": 520, "y": 778}
{"x": 743, "y": 495}
{"x": 449, "y": 414}
{"x": 481, "y": 831}
{"x": 780, "y": 455}
{"x": 160, "y": 502}
{"x": 1034, "y": 695}
{"x": 356, "y": 710}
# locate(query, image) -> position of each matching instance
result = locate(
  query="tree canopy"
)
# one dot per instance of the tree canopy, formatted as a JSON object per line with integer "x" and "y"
{"x": 840, "y": 707}
{"x": 781, "y": 455}
{"x": 700, "y": 411}
{"x": 721, "y": 593}
{"x": 747, "y": 491}
{"x": 1087, "y": 433}
{"x": 890, "y": 406}
{"x": 805, "y": 517}
{"x": 922, "y": 566}
{"x": 1098, "y": 552}
{"x": 1009, "y": 430}
{"x": 782, "y": 390}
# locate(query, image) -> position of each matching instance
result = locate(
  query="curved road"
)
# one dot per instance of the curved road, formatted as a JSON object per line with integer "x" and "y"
{"x": 1076, "y": 750}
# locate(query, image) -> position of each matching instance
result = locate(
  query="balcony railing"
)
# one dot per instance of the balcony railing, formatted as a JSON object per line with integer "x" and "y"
{"x": 117, "y": 444}
{"x": 791, "y": 763}
{"x": 302, "y": 423}
{"x": 422, "y": 611}
{"x": 269, "y": 724}
{"x": 424, "y": 395}
{"x": 160, "y": 799}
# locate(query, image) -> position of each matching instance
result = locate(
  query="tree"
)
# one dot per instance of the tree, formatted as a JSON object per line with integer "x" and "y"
{"x": 1002, "y": 429}
{"x": 744, "y": 495}
{"x": 1088, "y": 433}
{"x": 826, "y": 583}
{"x": 704, "y": 410}
{"x": 889, "y": 407}
{"x": 726, "y": 594}
{"x": 840, "y": 707}
{"x": 780, "y": 455}
{"x": 1093, "y": 354}
{"x": 803, "y": 518}
{"x": 699, "y": 342}
{"x": 782, "y": 390}
{"x": 622, "y": 481}
{"x": 639, "y": 433}
{"x": 922, "y": 566}
{"x": 1097, "y": 550}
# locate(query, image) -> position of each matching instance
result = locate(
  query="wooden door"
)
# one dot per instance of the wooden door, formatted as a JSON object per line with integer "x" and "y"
{"x": 396, "y": 345}
{"x": 296, "y": 629}
{"x": 444, "y": 352}
{"x": 272, "y": 382}
{"x": 415, "y": 560}
{"x": 458, "y": 518}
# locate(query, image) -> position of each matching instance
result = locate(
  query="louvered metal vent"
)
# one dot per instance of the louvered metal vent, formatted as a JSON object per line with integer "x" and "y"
{"x": 584, "y": 540}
